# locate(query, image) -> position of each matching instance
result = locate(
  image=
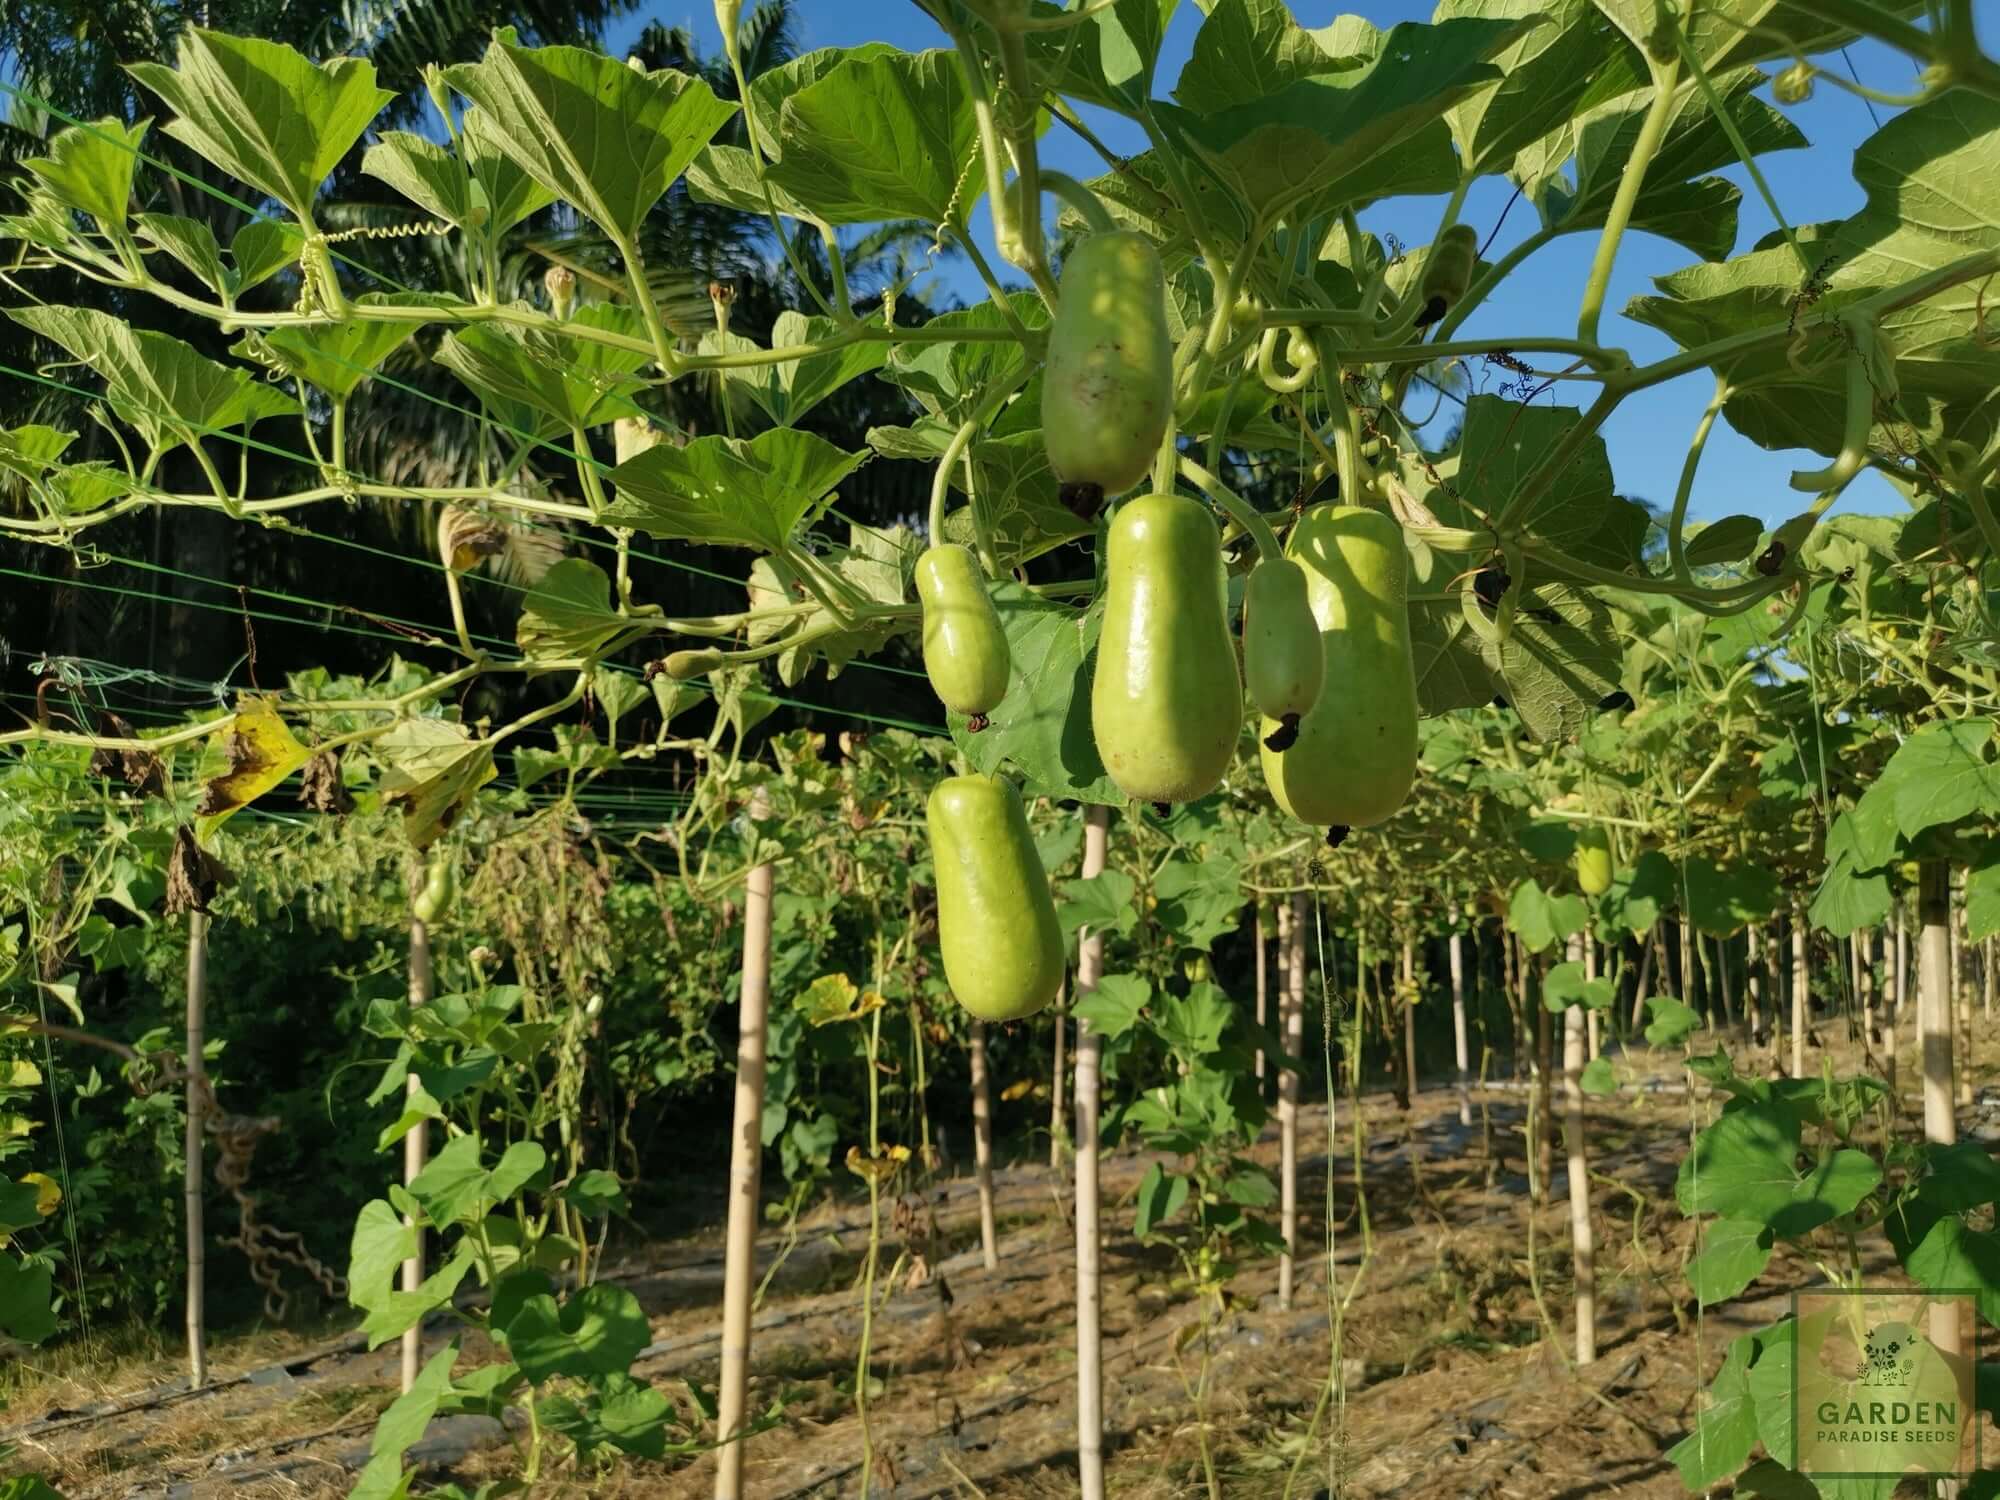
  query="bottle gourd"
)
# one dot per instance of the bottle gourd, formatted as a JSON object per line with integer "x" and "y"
{"x": 965, "y": 650}
{"x": 1165, "y": 702}
{"x": 1283, "y": 661}
{"x": 1108, "y": 387}
{"x": 1356, "y": 753}
{"x": 997, "y": 929}
{"x": 1593, "y": 861}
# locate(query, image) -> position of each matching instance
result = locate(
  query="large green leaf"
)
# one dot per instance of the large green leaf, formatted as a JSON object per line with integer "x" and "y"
{"x": 1941, "y": 776}
{"x": 193, "y": 244}
{"x": 434, "y": 179}
{"x": 406, "y": 1420}
{"x": 1352, "y": 137}
{"x": 1109, "y": 60}
{"x": 1733, "y": 1254}
{"x": 163, "y": 387}
{"x": 1678, "y": 201}
{"x": 1932, "y": 199}
{"x": 1542, "y": 919}
{"x": 599, "y": 1331}
{"x": 90, "y": 167}
{"x": 1544, "y": 72}
{"x": 1251, "y": 49}
{"x": 1505, "y": 442}
{"x": 598, "y": 134}
{"x": 787, "y": 391}
{"x": 431, "y": 768}
{"x": 337, "y": 357}
{"x": 27, "y": 1310}
{"x": 576, "y": 382}
{"x": 264, "y": 113}
{"x": 569, "y": 613}
{"x": 887, "y": 136}
{"x": 1744, "y": 1166}
{"x": 1726, "y": 1430}
{"x": 729, "y": 492}
{"x": 1042, "y": 727}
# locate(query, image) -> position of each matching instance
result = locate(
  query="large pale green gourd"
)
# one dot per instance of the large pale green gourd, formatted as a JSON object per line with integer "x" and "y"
{"x": 1356, "y": 755}
{"x": 997, "y": 929}
{"x": 1166, "y": 703}
{"x": 965, "y": 648}
{"x": 1109, "y": 381}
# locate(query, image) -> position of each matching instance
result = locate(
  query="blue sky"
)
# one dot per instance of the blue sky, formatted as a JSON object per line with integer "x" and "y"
{"x": 1648, "y": 437}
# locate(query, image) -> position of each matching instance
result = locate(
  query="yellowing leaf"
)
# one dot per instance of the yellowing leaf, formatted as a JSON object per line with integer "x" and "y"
{"x": 261, "y": 752}
{"x": 1020, "y": 1089}
{"x": 48, "y": 1195}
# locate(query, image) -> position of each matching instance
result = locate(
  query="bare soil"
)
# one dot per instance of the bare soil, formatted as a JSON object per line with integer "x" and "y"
{"x": 1452, "y": 1345}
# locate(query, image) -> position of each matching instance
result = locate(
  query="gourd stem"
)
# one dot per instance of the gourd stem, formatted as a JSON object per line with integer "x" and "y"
{"x": 1676, "y": 545}
{"x": 1666, "y": 76}
{"x": 1239, "y": 510}
{"x": 941, "y": 480}
{"x": 1087, "y": 204}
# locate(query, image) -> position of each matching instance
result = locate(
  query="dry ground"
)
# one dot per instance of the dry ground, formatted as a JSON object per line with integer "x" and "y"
{"x": 1453, "y": 1348}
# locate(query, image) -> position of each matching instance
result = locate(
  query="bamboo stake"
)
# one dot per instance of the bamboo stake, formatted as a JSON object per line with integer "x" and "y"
{"x": 1753, "y": 979}
{"x": 1058, "y": 1092}
{"x": 1801, "y": 980}
{"x": 1545, "y": 1140}
{"x": 1462, "y": 1046}
{"x": 197, "y": 1112}
{"x": 1582, "y": 1242}
{"x": 1902, "y": 960}
{"x": 1089, "y": 1248}
{"x": 1263, "y": 1013}
{"x": 982, "y": 1143}
{"x": 1293, "y": 1007}
{"x": 416, "y": 1148}
{"x": 1961, "y": 1000}
{"x": 1934, "y": 1031}
{"x": 1590, "y": 972}
{"x": 1409, "y": 996}
{"x": 745, "y": 1171}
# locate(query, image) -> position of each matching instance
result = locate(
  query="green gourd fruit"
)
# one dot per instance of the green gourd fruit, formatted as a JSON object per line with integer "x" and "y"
{"x": 1356, "y": 755}
{"x": 1448, "y": 272}
{"x": 1593, "y": 861}
{"x": 997, "y": 928}
{"x": 1283, "y": 661}
{"x": 434, "y": 900}
{"x": 1108, "y": 388}
{"x": 965, "y": 650}
{"x": 1165, "y": 702}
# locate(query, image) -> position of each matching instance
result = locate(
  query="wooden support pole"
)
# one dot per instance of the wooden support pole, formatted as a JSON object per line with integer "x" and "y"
{"x": 416, "y": 1147}
{"x": 982, "y": 1145}
{"x": 1089, "y": 1245}
{"x": 194, "y": 1172}
{"x": 746, "y": 1163}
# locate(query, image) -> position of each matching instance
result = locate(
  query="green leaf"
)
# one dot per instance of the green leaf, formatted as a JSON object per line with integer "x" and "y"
{"x": 421, "y": 1107}
{"x": 887, "y": 136}
{"x": 1351, "y": 137}
{"x": 1543, "y": 920}
{"x": 337, "y": 357}
{"x": 1722, "y": 901}
{"x": 400, "y": 1310}
{"x": 1671, "y": 1020}
{"x": 452, "y": 1184}
{"x": 163, "y": 387}
{"x": 600, "y": 135}
{"x": 1731, "y": 539}
{"x": 1112, "y": 1006}
{"x": 1597, "y": 1077}
{"x": 1677, "y": 201}
{"x": 1982, "y": 897}
{"x": 263, "y": 113}
{"x": 1545, "y": 72}
{"x": 1733, "y": 1254}
{"x": 1161, "y": 1196}
{"x": 90, "y": 167}
{"x": 569, "y": 613}
{"x": 401, "y": 1425}
{"x": 1193, "y": 1024}
{"x": 1197, "y": 901}
{"x": 435, "y": 180}
{"x": 787, "y": 391}
{"x": 1110, "y": 60}
{"x": 380, "y": 1245}
{"x": 1941, "y": 776}
{"x": 518, "y": 1165}
{"x": 597, "y": 1332}
{"x": 1103, "y": 903}
{"x": 729, "y": 492}
{"x": 27, "y": 1293}
{"x": 193, "y": 244}
{"x": 1640, "y": 895}
{"x": 261, "y": 249}
{"x": 1727, "y": 1428}
{"x": 1742, "y": 1167}
{"x": 1251, "y": 49}
{"x": 576, "y": 382}
{"x": 1847, "y": 900}
{"x": 596, "y": 1193}
{"x": 1042, "y": 726}
{"x": 1929, "y": 196}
